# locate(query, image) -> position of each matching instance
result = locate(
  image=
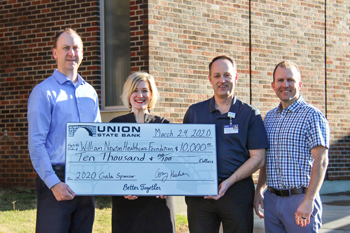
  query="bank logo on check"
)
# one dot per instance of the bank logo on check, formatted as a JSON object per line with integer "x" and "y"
{"x": 89, "y": 128}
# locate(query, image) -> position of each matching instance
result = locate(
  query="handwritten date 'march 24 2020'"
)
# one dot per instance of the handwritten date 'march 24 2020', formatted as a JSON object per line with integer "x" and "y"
{"x": 141, "y": 159}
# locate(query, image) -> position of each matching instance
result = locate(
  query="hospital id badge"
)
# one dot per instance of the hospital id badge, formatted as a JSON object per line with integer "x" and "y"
{"x": 230, "y": 129}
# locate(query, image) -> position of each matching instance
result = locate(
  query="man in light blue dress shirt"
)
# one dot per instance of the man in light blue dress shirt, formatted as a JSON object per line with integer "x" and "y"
{"x": 61, "y": 98}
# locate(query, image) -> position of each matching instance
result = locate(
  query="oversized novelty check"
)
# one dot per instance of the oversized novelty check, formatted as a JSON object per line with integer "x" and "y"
{"x": 141, "y": 159}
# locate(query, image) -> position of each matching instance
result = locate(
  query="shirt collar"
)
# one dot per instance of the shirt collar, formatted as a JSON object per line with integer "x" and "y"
{"x": 294, "y": 106}
{"x": 148, "y": 118}
{"x": 61, "y": 78}
{"x": 233, "y": 108}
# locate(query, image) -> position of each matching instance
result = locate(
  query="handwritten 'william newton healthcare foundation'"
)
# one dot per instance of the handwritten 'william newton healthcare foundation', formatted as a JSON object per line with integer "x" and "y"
{"x": 141, "y": 159}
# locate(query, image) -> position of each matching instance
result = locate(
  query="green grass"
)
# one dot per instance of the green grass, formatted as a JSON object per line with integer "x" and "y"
{"x": 181, "y": 223}
{"x": 18, "y": 212}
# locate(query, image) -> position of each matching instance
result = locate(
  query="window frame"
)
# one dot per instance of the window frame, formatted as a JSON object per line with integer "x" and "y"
{"x": 105, "y": 108}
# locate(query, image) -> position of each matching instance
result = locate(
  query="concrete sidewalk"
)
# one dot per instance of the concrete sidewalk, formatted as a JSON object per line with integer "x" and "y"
{"x": 336, "y": 213}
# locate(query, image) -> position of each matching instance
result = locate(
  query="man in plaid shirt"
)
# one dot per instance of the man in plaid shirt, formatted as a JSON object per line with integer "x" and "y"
{"x": 297, "y": 158}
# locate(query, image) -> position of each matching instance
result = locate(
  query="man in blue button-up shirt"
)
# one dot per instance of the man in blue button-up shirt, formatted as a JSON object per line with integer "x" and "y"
{"x": 61, "y": 98}
{"x": 297, "y": 158}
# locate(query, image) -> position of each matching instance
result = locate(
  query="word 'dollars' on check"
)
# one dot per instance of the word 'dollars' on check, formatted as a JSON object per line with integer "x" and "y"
{"x": 141, "y": 159}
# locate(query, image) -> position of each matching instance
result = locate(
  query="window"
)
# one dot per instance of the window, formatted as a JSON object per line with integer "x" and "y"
{"x": 115, "y": 37}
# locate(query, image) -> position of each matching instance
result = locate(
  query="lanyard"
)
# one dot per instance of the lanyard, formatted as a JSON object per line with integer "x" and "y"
{"x": 231, "y": 115}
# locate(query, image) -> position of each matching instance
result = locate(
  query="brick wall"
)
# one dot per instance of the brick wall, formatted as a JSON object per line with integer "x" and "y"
{"x": 185, "y": 35}
{"x": 27, "y": 29}
{"x": 175, "y": 40}
{"x": 338, "y": 87}
{"x": 286, "y": 31}
{"x": 139, "y": 36}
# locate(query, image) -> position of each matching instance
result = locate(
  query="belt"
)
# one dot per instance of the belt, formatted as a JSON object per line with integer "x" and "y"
{"x": 58, "y": 168}
{"x": 287, "y": 192}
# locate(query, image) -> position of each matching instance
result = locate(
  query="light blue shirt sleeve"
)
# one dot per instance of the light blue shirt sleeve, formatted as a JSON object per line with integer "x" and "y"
{"x": 52, "y": 104}
{"x": 39, "y": 120}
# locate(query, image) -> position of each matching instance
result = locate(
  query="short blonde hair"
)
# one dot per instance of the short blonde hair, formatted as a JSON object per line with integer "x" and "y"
{"x": 286, "y": 64}
{"x": 131, "y": 83}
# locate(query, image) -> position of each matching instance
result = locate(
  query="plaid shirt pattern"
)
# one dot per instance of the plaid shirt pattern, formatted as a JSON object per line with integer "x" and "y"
{"x": 292, "y": 133}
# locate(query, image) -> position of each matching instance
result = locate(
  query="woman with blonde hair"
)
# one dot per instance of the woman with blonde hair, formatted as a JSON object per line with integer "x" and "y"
{"x": 133, "y": 214}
